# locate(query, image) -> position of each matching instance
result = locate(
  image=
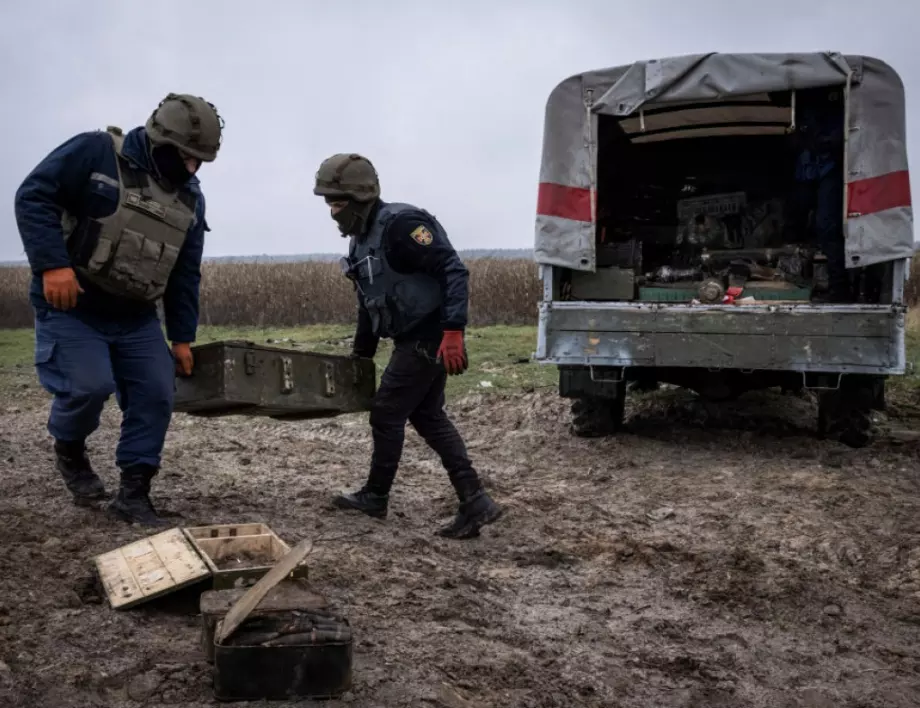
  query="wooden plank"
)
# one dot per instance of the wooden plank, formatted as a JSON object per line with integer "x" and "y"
{"x": 240, "y": 611}
{"x": 279, "y": 547}
{"x": 215, "y": 549}
{"x": 286, "y": 595}
{"x": 222, "y": 530}
{"x": 739, "y": 320}
{"x": 149, "y": 568}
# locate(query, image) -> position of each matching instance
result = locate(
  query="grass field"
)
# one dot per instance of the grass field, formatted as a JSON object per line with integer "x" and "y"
{"x": 499, "y": 355}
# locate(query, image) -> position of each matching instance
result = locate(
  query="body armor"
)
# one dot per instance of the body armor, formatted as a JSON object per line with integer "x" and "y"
{"x": 396, "y": 302}
{"x": 132, "y": 252}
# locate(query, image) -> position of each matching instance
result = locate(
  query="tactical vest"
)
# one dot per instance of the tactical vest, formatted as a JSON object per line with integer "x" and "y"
{"x": 132, "y": 252}
{"x": 395, "y": 302}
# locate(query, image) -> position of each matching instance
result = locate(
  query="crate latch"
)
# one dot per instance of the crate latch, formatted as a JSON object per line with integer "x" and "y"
{"x": 249, "y": 363}
{"x": 330, "y": 380}
{"x": 287, "y": 374}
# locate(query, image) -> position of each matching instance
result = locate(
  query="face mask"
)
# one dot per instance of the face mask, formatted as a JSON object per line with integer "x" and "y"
{"x": 352, "y": 220}
{"x": 170, "y": 164}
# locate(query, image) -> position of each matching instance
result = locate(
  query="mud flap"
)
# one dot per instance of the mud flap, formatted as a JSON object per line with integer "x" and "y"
{"x": 845, "y": 414}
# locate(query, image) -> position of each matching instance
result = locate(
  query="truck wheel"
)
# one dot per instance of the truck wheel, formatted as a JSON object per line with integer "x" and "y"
{"x": 598, "y": 417}
{"x": 845, "y": 415}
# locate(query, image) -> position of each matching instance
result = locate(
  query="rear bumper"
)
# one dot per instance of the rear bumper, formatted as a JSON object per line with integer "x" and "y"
{"x": 821, "y": 338}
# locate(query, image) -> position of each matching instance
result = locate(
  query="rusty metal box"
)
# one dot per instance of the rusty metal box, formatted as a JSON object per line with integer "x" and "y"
{"x": 244, "y": 378}
{"x": 290, "y": 594}
{"x": 284, "y": 655}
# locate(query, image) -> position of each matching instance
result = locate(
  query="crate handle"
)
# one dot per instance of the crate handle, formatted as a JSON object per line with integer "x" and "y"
{"x": 287, "y": 374}
{"x": 330, "y": 380}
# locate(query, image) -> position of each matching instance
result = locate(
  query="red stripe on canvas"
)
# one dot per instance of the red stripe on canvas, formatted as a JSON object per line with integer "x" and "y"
{"x": 870, "y": 196}
{"x": 564, "y": 202}
{"x": 865, "y": 196}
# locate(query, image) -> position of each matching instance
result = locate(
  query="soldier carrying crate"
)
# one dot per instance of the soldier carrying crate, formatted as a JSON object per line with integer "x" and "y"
{"x": 412, "y": 287}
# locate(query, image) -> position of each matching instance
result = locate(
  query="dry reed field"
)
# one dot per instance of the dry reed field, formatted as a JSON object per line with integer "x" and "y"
{"x": 502, "y": 291}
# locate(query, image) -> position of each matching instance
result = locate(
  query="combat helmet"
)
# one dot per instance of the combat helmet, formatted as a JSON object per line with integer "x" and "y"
{"x": 189, "y": 122}
{"x": 349, "y": 176}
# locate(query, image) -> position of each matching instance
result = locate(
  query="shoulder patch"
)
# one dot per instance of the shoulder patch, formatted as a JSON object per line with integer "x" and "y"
{"x": 422, "y": 236}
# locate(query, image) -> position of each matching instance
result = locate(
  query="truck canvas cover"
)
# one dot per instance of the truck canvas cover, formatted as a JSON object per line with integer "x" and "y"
{"x": 879, "y": 223}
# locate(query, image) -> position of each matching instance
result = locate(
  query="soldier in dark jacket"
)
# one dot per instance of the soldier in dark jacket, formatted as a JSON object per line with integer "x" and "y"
{"x": 412, "y": 288}
{"x": 111, "y": 224}
{"x": 819, "y": 179}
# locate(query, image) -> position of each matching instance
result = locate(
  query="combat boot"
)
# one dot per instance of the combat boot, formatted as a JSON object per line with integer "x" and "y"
{"x": 132, "y": 503}
{"x": 82, "y": 481}
{"x": 476, "y": 508}
{"x": 364, "y": 500}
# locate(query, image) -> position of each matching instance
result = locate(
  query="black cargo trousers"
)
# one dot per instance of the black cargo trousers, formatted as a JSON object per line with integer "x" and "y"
{"x": 412, "y": 390}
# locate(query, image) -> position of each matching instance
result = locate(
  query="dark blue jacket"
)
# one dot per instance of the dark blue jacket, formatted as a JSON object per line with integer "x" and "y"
{"x": 62, "y": 179}
{"x": 439, "y": 260}
{"x": 820, "y": 125}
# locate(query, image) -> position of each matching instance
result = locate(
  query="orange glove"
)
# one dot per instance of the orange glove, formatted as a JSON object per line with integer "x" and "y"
{"x": 452, "y": 352}
{"x": 182, "y": 352}
{"x": 61, "y": 288}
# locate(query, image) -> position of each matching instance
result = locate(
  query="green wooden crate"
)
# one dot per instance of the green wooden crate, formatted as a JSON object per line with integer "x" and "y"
{"x": 658, "y": 294}
{"x": 652, "y": 294}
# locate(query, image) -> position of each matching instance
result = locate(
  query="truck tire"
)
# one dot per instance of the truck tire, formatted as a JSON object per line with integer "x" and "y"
{"x": 845, "y": 415}
{"x": 598, "y": 417}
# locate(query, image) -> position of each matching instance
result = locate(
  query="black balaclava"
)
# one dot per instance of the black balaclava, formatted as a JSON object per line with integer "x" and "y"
{"x": 170, "y": 165}
{"x": 352, "y": 220}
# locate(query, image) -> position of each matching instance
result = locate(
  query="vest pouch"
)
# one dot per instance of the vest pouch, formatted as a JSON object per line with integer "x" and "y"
{"x": 385, "y": 318}
{"x": 168, "y": 257}
{"x": 100, "y": 256}
{"x": 149, "y": 262}
{"x": 134, "y": 264}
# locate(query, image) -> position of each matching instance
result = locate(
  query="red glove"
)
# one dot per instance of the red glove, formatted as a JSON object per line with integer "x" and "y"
{"x": 185, "y": 361}
{"x": 61, "y": 288}
{"x": 452, "y": 352}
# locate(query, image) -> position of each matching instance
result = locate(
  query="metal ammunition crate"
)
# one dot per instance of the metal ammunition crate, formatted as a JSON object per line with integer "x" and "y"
{"x": 244, "y": 378}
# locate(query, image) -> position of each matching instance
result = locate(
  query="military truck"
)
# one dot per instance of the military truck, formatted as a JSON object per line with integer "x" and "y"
{"x": 673, "y": 248}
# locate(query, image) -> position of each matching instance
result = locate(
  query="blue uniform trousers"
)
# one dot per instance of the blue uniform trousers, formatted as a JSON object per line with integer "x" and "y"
{"x": 82, "y": 361}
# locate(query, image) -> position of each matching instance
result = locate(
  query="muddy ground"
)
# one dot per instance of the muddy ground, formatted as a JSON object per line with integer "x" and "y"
{"x": 706, "y": 558}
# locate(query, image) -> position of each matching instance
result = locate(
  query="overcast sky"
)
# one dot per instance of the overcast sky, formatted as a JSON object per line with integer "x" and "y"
{"x": 447, "y": 99}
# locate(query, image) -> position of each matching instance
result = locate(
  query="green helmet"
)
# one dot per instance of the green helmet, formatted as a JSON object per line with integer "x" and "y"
{"x": 189, "y": 122}
{"x": 347, "y": 175}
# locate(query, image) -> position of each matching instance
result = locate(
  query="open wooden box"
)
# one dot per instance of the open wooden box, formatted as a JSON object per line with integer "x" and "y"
{"x": 231, "y": 555}
{"x": 239, "y": 554}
